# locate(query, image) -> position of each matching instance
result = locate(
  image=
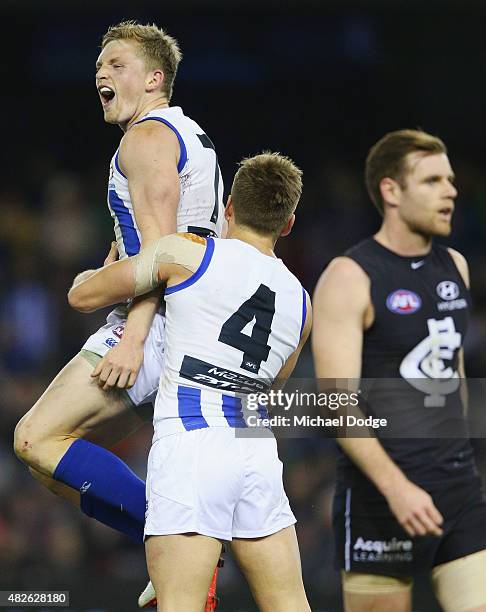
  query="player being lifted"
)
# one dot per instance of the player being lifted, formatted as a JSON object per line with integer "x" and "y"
{"x": 164, "y": 177}
{"x": 396, "y": 307}
{"x": 234, "y": 312}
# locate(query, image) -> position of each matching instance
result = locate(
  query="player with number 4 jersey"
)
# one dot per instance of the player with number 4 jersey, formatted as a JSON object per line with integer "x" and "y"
{"x": 164, "y": 177}
{"x": 237, "y": 319}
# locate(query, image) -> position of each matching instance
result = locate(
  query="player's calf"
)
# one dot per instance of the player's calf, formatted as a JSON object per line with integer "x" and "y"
{"x": 375, "y": 593}
{"x": 276, "y": 586}
{"x": 184, "y": 559}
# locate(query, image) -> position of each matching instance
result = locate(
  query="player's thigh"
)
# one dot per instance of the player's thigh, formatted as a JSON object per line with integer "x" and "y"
{"x": 72, "y": 406}
{"x": 272, "y": 567}
{"x": 460, "y": 585}
{"x": 181, "y": 568}
{"x": 375, "y": 593}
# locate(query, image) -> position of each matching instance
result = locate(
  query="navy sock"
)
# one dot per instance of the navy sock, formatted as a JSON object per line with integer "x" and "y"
{"x": 114, "y": 494}
{"x": 112, "y": 517}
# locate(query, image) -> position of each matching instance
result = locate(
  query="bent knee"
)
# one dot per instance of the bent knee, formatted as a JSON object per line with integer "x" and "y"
{"x": 23, "y": 443}
{"x": 28, "y": 445}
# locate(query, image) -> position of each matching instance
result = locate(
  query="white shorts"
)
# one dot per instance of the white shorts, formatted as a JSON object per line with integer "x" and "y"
{"x": 146, "y": 386}
{"x": 211, "y": 482}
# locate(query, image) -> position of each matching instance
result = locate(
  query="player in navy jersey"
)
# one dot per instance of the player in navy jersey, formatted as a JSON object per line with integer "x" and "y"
{"x": 395, "y": 307}
{"x": 237, "y": 319}
{"x": 163, "y": 177}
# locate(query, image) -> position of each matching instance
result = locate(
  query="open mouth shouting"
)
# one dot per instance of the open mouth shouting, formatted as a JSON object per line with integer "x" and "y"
{"x": 107, "y": 95}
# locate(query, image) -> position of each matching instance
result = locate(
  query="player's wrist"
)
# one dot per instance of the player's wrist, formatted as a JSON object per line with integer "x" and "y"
{"x": 134, "y": 338}
{"x": 392, "y": 482}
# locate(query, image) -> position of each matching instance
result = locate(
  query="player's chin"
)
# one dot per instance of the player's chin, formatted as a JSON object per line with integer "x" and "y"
{"x": 442, "y": 229}
{"x": 109, "y": 116}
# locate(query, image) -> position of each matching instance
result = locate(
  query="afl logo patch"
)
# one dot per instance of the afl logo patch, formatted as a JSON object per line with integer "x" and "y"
{"x": 403, "y": 301}
{"x": 447, "y": 290}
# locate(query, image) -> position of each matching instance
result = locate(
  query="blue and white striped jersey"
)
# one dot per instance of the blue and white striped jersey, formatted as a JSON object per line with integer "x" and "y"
{"x": 229, "y": 330}
{"x": 201, "y": 201}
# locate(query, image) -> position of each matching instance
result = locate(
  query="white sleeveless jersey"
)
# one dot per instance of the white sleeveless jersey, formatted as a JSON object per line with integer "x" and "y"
{"x": 201, "y": 202}
{"x": 229, "y": 330}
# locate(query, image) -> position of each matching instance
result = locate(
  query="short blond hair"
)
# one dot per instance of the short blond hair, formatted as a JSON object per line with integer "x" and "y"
{"x": 158, "y": 48}
{"x": 386, "y": 158}
{"x": 265, "y": 192}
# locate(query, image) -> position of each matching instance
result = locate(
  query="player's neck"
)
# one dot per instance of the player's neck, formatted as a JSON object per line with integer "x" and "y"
{"x": 403, "y": 241}
{"x": 159, "y": 102}
{"x": 262, "y": 243}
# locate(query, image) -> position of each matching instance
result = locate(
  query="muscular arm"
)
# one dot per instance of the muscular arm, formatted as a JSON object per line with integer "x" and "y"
{"x": 342, "y": 310}
{"x": 149, "y": 153}
{"x": 171, "y": 259}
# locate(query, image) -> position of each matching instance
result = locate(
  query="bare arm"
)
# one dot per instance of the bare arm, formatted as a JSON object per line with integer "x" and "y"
{"x": 461, "y": 264}
{"x": 149, "y": 153}
{"x": 342, "y": 310}
{"x": 171, "y": 259}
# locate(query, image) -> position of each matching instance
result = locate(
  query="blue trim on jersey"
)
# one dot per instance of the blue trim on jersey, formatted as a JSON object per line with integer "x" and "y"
{"x": 203, "y": 266}
{"x": 182, "y": 144}
{"x": 117, "y": 164}
{"x": 233, "y": 411}
{"x": 304, "y": 311}
{"x": 126, "y": 223}
{"x": 189, "y": 405}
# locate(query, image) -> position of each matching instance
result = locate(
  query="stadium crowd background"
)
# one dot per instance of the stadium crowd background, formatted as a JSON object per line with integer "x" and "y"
{"x": 318, "y": 84}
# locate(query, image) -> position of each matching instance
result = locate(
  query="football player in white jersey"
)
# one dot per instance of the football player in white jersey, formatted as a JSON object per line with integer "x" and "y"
{"x": 207, "y": 482}
{"x": 164, "y": 177}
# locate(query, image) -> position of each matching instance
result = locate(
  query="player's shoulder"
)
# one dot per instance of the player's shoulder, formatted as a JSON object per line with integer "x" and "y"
{"x": 195, "y": 238}
{"x": 182, "y": 242}
{"x": 343, "y": 286}
{"x": 147, "y": 132}
{"x": 342, "y": 271}
{"x": 461, "y": 264}
{"x": 458, "y": 257}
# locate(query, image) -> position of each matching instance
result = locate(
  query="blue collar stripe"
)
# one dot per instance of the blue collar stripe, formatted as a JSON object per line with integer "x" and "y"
{"x": 203, "y": 266}
{"x": 182, "y": 144}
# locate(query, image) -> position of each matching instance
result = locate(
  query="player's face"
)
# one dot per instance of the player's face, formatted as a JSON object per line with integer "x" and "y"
{"x": 426, "y": 203}
{"x": 121, "y": 76}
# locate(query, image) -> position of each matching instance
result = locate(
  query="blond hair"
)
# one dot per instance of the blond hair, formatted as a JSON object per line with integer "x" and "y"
{"x": 159, "y": 50}
{"x": 265, "y": 192}
{"x": 386, "y": 158}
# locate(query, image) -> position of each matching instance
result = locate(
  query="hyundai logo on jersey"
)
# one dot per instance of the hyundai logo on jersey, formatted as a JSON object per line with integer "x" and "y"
{"x": 403, "y": 301}
{"x": 448, "y": 290}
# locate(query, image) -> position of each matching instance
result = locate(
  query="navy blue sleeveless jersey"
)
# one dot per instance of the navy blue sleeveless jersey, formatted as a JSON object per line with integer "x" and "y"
{"x": 410, "y": 363}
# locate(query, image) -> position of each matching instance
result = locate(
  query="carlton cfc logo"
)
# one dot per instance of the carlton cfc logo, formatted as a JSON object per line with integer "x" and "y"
{"x": 403, "y": 301}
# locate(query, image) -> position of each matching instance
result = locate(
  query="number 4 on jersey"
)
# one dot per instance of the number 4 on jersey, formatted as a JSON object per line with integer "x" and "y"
{"x": 261, "y": 308}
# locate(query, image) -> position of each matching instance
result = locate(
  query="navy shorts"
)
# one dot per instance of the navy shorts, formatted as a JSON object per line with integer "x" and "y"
{"x": 370, "y": 540}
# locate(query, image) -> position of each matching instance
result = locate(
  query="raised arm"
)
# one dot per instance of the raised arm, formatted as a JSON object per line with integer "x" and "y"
{"x": 342, "y": 310}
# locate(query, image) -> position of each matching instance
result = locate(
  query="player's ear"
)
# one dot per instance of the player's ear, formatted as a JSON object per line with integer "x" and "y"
{"x": 229, "y": 210}
{"x": 288, "y": 227}
{"x": 390, "y": 191}
{"x": 155, "y": 80}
